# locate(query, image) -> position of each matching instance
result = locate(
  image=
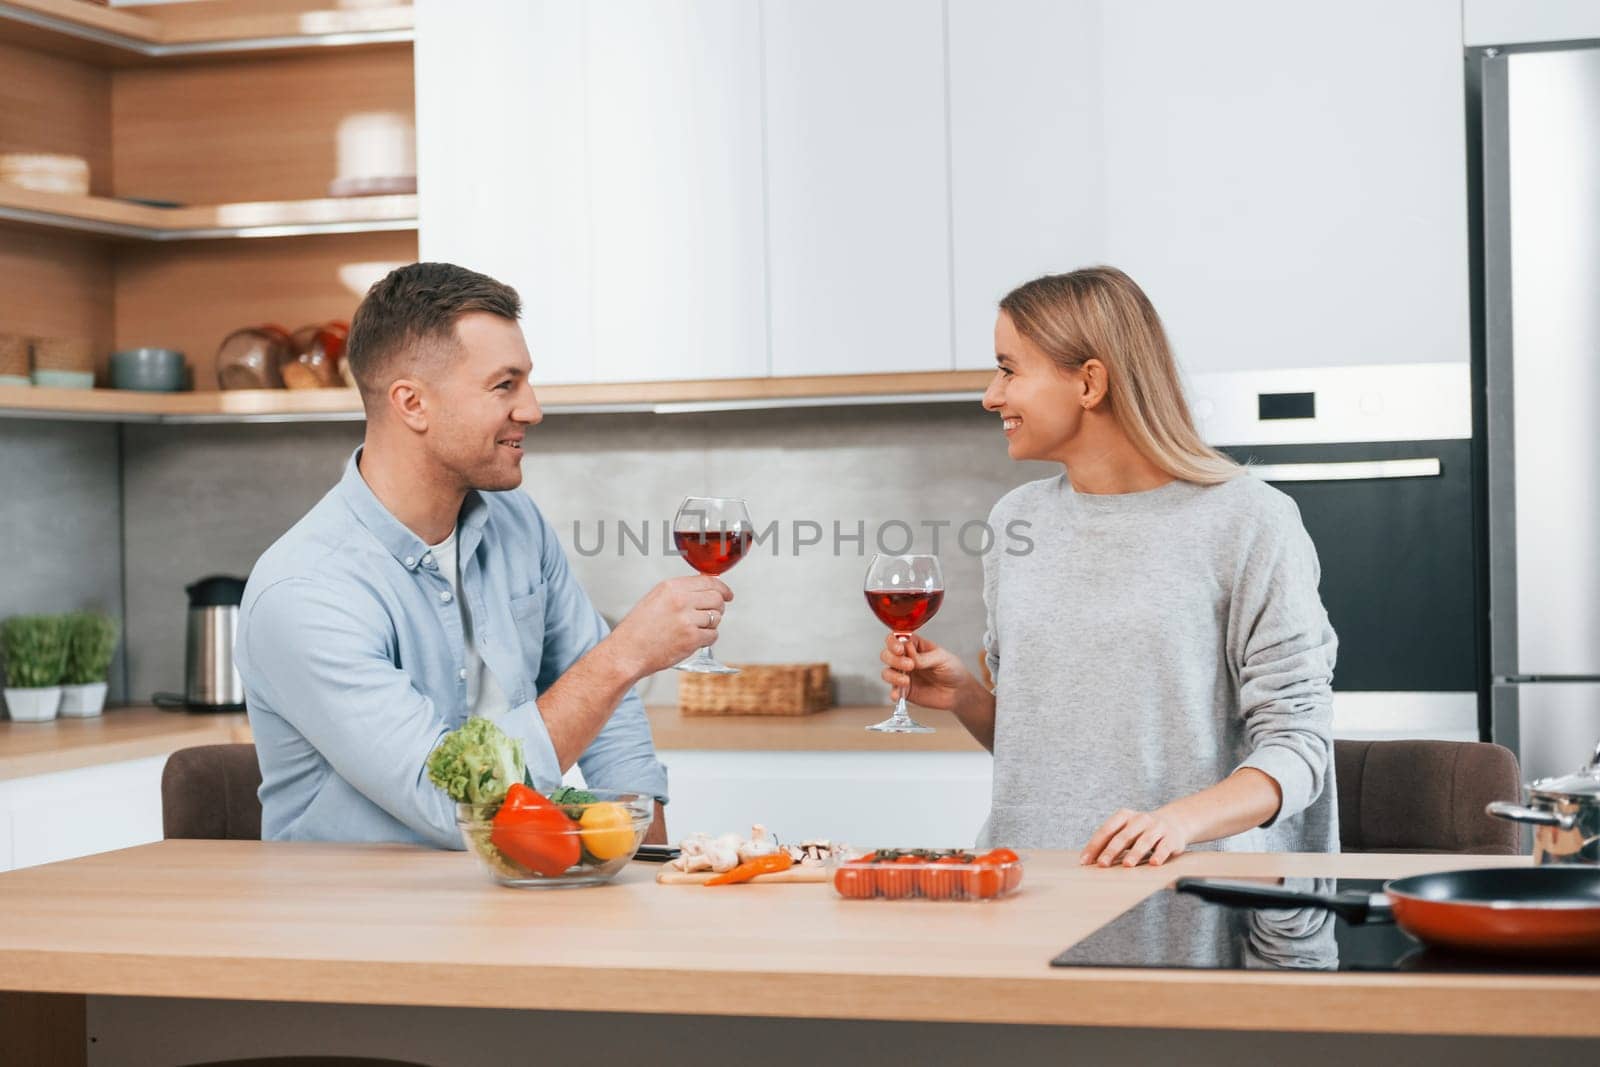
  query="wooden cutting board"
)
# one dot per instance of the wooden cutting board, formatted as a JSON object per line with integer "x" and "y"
{"x": 793, "y": 876}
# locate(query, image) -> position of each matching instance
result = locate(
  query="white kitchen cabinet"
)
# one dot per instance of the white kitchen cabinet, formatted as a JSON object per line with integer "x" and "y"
{"x": 675, "y": 187}
{"x": 858, "y": 206}
{"x": 867, "y": 799}
{"x": 1288, "y": 181}
{"x": 1026, "y": 144}
{"x": 49, "y": 817}
{"x": 604, "y": 159}
{"x": 502, "y": 172}
{"x": 726, "y": 188}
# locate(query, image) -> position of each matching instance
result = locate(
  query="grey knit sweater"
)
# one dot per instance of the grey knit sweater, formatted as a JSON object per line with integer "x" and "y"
{"x": 1149, "y": 645}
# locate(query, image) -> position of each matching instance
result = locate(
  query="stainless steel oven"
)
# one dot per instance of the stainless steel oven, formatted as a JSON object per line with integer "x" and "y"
{"x": 1380, "y": 461}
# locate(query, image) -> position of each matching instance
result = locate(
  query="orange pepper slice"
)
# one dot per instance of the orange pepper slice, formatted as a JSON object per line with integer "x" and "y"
{"x": 769, "y": 864}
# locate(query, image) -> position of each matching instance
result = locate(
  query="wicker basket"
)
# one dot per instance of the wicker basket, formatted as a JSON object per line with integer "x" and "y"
{"x": 758, "y": 689}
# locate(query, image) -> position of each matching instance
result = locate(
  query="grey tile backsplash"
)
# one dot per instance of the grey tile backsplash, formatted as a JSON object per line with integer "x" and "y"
{"x": 61, "y": 520}
{"x": 208, "y": 499}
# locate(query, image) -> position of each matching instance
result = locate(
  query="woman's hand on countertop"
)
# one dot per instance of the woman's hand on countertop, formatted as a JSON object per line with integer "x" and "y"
{"x": 1134, "y": 837}
{"x": 1246, "y": 798}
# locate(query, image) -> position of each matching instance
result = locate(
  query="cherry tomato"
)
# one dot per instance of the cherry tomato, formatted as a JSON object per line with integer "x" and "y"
{"x": 854, "y": 881}
{"x": 939, "y": 884}
{"x": 894, "y": 881}
{"x": 986, "y": 878}
{"x": 1011, "y": 866}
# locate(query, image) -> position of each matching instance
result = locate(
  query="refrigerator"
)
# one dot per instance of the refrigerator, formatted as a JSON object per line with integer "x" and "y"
{"x": 1538, "y": 117}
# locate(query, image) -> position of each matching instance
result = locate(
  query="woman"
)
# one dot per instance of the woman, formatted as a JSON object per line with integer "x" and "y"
{"x": 1162, "y": 660}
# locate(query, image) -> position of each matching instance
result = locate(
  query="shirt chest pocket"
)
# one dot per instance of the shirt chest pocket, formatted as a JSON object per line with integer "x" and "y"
{"x": 527, "y": 620}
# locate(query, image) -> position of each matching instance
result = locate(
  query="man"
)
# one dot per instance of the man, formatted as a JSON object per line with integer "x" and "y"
{"x": 425, "y": 587}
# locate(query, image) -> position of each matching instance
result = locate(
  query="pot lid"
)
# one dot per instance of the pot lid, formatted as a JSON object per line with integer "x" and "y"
{"x": 1584, "y": 783}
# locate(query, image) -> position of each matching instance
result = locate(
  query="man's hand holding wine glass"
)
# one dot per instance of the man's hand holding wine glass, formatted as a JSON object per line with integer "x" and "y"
{"x": 677, "y": 618}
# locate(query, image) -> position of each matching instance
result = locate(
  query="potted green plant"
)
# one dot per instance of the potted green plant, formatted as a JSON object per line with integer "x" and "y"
{"x": 35, "y": 649}
{"x": 91, "y": 642}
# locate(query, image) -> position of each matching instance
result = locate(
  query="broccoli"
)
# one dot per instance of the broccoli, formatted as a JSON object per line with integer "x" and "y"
{"x": 477, "y": 763}
{"x": 568, "y": 796}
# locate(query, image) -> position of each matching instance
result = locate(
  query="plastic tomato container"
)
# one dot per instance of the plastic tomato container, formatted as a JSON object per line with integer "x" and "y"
{"x": 928, "y": 874}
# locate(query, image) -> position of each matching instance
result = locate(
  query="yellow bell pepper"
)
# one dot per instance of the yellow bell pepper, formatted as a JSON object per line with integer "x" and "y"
{"x": 607, "y": 830}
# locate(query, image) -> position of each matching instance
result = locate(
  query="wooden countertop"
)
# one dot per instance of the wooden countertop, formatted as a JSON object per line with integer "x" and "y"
{"x": 382, "y": 924}
{"x": 842, "y": 729}
{"x": 28, "y": 748}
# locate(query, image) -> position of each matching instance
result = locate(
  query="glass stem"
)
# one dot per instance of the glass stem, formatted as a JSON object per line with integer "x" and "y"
{"x": 900, "y": 713}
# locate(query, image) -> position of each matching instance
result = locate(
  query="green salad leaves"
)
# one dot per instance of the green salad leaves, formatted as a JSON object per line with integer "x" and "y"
{"x": 476, "y": 763}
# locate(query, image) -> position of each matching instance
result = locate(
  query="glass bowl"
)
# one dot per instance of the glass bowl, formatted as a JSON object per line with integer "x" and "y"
{"x": 594, "y": 842}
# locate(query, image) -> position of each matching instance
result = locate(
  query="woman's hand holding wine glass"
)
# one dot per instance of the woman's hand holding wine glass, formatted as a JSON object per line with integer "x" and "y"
{"x": 927, "y": 674}
{"x": 904, "y": 592}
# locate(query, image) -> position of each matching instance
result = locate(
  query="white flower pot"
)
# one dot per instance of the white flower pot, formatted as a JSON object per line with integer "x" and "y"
{"x": 83, "y": 701}
{"x": 33, "y": 705}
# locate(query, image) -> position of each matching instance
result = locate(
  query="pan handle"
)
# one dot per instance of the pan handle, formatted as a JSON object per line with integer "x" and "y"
{"x": 1504, "y": 809}
{"x": 1352, "y": 907}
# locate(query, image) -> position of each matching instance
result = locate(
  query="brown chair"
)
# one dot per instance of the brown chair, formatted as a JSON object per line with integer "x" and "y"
{"x": 1425, "y": 796}
{"x": 209, "y": 792}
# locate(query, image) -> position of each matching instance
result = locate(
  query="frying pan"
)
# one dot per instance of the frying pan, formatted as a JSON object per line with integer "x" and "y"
{"x": 1509, "y": 911}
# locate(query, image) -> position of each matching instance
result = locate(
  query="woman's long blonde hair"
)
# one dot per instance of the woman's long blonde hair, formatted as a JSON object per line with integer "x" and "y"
{"x": 1101, "y": 313}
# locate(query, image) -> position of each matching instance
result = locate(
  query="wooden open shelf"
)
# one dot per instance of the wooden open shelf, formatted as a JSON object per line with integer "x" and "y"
{"x": 284, "y": 218}
{"x": 136, "y": 35}
{"x": 281, "y": 405}
{"x": 253, "y": 137}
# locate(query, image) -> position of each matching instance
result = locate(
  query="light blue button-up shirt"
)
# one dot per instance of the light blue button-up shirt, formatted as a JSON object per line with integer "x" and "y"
{"x": 353, "y": 659}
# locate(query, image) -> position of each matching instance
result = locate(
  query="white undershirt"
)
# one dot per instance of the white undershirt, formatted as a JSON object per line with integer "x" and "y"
{"x": 484, "y": 695}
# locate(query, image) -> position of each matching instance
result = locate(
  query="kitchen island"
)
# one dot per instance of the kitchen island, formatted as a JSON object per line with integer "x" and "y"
{"x": 160, "y": 953}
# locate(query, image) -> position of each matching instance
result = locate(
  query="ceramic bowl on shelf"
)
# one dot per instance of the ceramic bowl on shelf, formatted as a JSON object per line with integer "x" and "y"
{"x": 149, "y": 370}
{"x": 63, "y": 379}
{"x": 74, "y": 354}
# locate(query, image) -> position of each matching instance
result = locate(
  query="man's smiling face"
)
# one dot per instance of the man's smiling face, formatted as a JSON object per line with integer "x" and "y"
{"x": 483, "y": 403}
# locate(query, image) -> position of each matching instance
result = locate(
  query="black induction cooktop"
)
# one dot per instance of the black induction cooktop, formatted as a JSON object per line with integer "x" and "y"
{"x": 1177, "y": 931}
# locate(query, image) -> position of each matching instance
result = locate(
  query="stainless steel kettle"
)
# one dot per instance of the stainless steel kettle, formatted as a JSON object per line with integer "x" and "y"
{"x": 211, "y": 682}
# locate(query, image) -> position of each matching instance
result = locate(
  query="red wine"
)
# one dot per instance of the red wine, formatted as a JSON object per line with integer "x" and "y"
{"x": 714, "y": 551}
{"x": 904, "y": 610}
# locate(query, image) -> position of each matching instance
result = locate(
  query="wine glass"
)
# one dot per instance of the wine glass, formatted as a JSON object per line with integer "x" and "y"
{"x": 713, "y": 534}
{"x": 903, "y": 592}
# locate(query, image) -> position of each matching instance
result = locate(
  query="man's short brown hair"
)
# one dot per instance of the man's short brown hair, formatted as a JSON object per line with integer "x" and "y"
{"x": 412, "y": 312}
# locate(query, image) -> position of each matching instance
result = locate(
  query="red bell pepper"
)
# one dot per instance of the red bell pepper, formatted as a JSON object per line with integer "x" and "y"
{"x": 534, "y": 833}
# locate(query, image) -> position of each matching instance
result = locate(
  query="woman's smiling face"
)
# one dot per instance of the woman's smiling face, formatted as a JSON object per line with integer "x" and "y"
{"x": 1041, "y": 405}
